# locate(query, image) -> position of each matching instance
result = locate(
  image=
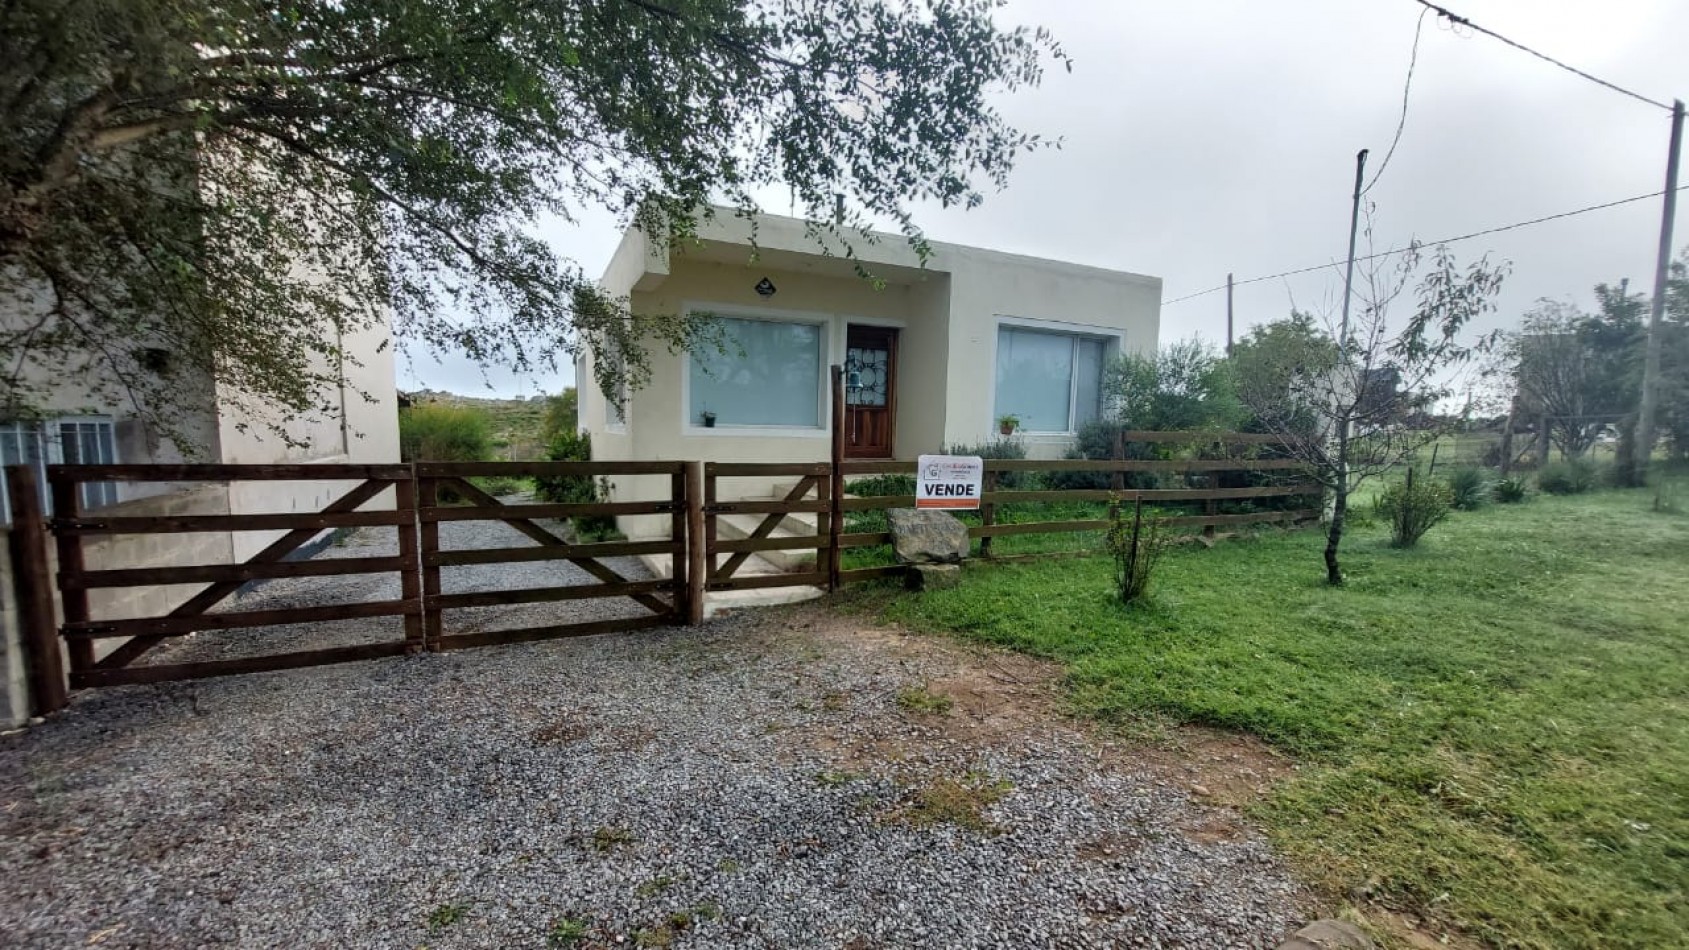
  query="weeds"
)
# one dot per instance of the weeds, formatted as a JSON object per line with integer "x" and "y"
{"x": 1136, "y": 547}
{"x": 445, "y": 915}
{"x": 566, "y": 934}
{"x": 607, "y": 839}
{"x": 922, "y": 700}
{"x": 1413, "y": 508}
{"x": 960, "y": 802}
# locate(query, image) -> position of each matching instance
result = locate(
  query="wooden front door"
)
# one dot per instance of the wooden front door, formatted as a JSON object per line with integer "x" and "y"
{"x": 870, "y": 391}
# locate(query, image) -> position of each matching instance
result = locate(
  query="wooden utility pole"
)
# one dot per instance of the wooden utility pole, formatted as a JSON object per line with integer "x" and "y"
{"x": 1354, "y": 234}
{"x": 1228, "y": 315}
{"x": 1662, "y": 269}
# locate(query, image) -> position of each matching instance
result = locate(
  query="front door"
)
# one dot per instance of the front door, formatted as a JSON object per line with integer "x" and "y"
{"x": 870, "y": 391}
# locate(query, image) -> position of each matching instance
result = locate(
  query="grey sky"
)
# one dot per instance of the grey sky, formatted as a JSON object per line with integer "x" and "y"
{"x": 1210, "y": 136}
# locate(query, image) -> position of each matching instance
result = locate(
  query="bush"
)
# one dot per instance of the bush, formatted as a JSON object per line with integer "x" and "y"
{"x": 1136, "y": 545}
{"x": 1469, "y": 487}
{"x": 500, "y": 485}
{"x": 1510, "y": 491}
{"x": 880, "y": 486}
{"x": 577, "y": 489}
{"x": 435, "y": 433}
{"x": 1413, "y": 507}
{"x": 999, "y": 449}
{"x": 1570, "y": 477}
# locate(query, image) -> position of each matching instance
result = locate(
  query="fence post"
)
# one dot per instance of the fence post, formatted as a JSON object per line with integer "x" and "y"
{"x": 32, "y": 584}
{"x": 410, "y": 577}
{"x": 697, "y": 545}
{"x": 680, "y": 552}
{"x": 427, "y": 499}
{"x": 987, "y": 511}
{"x": 836, "y": 493}
{"x": 66, "y": 505}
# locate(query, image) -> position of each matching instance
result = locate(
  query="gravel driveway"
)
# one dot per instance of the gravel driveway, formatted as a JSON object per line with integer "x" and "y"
{"x": 779, "y": 779}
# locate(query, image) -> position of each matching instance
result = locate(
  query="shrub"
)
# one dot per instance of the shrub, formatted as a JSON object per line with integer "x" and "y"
{"x": 999, "y": 449}
{"x": 1469, "y": 487}
{"x": 1413, "y": 507}
{"x": 880, "y": 486}
{"x": 1136, "y": 546}
{"x": 577, "y": 489}
{"x": 498, "y": 485}
{"x": 1510, "y": 491}
{"x": 435, "y": 433}
{"x": 1096, "y": 442}
{"x": 1569, "y": 477}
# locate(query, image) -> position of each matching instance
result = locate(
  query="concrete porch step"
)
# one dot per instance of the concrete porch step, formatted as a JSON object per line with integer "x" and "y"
{"x": 663, "y": 567}
{"x": 731, "y": 527}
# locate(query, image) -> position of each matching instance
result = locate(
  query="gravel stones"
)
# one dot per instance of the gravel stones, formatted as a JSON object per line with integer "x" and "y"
{"x": 742, "y": 784}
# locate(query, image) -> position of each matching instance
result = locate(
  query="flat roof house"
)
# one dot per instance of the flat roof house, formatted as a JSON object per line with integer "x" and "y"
{"x": 935, "y": 354}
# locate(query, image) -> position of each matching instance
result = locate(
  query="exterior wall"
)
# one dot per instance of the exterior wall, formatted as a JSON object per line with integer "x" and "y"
{"x": 658, "y": 426}
{"x": 989, "y": 287}
{"x": 358, "y": 431}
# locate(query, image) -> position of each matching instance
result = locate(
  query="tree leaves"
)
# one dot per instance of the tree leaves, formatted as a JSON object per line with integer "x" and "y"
{"x": 247, "y": 184}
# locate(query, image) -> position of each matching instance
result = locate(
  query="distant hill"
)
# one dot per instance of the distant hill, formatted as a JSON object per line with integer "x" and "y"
{"x": 516, "y": 423}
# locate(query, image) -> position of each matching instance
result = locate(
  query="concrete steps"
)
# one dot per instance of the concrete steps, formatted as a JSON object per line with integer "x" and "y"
{"x": 732, "y": 527}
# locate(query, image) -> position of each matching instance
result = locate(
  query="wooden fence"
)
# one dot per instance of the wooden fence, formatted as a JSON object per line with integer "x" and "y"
{"x": 695, "y": 496}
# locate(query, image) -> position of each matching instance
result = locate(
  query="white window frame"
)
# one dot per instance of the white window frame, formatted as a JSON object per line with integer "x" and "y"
{"x": 823, "y": 322}
{"x": 49, "y": 440}
{"x": 1113, "y": 340}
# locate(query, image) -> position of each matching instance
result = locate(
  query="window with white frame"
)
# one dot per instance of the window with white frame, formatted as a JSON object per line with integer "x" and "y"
{"x": 767, "y": 373}
{"x": 1051, "y": 381}
{"x": 77, "y": 440}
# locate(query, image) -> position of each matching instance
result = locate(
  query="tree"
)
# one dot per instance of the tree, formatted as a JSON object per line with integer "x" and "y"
{"x": 1184, "y": 386}
{"x": 239, "y": 185}
{"x": 1343, "y": 403}
{"x": 562, "y": 415}
{"x": 1570, "y": 374}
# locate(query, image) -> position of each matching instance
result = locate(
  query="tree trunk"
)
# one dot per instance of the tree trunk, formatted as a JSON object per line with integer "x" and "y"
{"x": 1334, "y": 536}
{"x": 1506, "y": 460}
{"x": 1339, "y": 505}
{"x": 1542, "y": 441}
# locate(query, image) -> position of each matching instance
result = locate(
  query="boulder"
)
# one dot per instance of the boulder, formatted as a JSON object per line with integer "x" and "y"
{"x": 932, "y": 576}
{"x": 1328, "y": 935}
{"x": 927, "y": 536}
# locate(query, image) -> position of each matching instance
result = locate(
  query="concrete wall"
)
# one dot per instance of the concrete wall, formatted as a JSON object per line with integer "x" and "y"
{"x": 949, "y": 309}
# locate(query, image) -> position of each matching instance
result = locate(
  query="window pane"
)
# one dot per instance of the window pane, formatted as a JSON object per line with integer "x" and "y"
{"x": 1034, "y": 378}
{"x": 770, "y": 375}
{"x": 1088, "y": 386}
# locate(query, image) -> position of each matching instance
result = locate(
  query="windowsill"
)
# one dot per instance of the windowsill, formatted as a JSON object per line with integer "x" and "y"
{"x": 755, "y": 432}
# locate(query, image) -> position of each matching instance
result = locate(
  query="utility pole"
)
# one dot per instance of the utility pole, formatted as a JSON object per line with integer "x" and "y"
{"x": 1662, "y": 268}
{"x": 1354, "y": 232}
{"x": 1228, "y": 315}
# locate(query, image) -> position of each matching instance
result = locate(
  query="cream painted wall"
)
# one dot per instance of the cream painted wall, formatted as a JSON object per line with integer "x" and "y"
{"x": 949, "y": 310}
{"x": 988, "y": 287}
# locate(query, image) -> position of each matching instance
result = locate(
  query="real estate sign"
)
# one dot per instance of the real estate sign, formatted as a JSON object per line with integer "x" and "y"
{"x": 949, "y": 481}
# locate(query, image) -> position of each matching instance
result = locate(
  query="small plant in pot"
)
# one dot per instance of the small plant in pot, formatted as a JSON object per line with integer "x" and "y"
{"x": 708, "y": 417}
{"x": 1008, "y": 424}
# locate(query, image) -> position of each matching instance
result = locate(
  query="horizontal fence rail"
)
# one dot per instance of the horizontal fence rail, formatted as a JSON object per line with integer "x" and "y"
{"x": 800, "y": 517}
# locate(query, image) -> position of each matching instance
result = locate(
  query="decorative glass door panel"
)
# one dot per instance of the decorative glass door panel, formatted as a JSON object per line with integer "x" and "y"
{"x": 870, "y": 391}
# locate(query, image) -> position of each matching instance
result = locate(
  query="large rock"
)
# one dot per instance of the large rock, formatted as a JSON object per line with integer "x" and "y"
{"x": 922, "y": 577}
{"x": 1328, "y": 935}
{"x": 926, "y": 536}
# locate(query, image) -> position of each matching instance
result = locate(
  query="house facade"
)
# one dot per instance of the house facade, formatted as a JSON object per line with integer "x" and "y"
{"x": 934, "y": 354}
{"x": 77, "y": 428}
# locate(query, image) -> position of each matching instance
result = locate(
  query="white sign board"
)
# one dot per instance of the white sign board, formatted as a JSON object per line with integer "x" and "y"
{"x": 949, "y": 481}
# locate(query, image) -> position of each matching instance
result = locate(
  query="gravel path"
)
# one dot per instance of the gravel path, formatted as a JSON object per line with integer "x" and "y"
{"x": 363, "y": 588}
{"x": 782, "y": 779}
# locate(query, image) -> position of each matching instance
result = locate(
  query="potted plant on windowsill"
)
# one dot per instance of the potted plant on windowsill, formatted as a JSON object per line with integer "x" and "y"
{"x": 708, "y": 417}
{"x": 1008, "y": 424}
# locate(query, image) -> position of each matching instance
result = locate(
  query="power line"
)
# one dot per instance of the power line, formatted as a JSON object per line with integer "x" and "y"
{"x": 1459, "y": 20}
{"x": 1449, "y": 240}
{"x": 1407, "y": 87}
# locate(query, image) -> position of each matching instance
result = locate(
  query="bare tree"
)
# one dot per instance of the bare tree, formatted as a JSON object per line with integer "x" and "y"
{"x": 1348, "y": 405}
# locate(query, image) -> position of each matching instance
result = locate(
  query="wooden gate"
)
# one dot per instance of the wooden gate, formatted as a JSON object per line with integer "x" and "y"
{"x": 73, "y": 529}
{"x": 810, "y": 495}
{"x": 660, "y": 602}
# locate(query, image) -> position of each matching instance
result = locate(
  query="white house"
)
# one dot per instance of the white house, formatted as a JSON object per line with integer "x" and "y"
{"x": 77, "y": 429}
{"x": 935, "y": 353}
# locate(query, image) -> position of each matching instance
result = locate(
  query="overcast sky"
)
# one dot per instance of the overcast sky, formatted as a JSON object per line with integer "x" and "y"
{"x": 1208, "y": 136}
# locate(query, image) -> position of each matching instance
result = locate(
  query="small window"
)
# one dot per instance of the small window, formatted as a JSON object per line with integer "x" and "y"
{"x": 767, "y": 374}
{"x": 81, "y": 440}
{"x": 1051, "y": 381}
{"x": 615, "y": 412}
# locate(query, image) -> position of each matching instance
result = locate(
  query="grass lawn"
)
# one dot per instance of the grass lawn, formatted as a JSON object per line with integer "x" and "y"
{"x": 1493, "y": 729}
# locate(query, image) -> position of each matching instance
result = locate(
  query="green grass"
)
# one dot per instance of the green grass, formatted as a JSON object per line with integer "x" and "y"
{"x": 1493, "y": 727}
